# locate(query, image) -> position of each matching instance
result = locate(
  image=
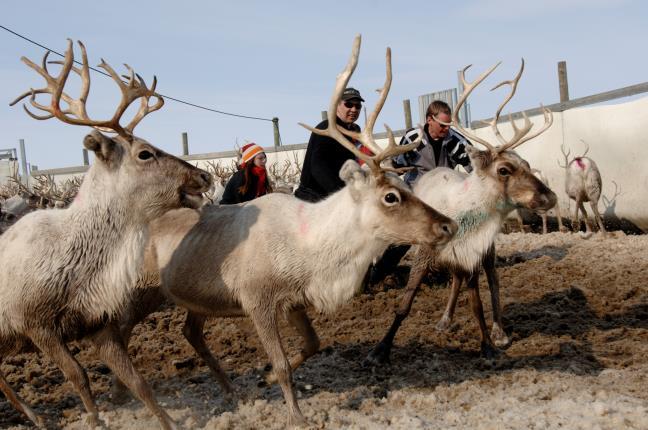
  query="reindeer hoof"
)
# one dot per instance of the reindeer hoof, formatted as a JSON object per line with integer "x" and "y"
{"x": 489, "y": 352}
{"x": 296, "y": 421}
{"x": 499, "y": 338}
{"x": 92, "y": 421}
{"x": 443, "y": 324}
{"x": 378, "y": 356}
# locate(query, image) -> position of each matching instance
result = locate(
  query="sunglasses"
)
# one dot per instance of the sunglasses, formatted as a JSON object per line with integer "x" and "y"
{"x": 350, "y": 104}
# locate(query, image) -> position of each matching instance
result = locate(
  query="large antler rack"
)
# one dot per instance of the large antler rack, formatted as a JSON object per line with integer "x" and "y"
{"x": 365, "y": 137}
{"x": 76, "y": 113}
{"x": 520, "y": 135}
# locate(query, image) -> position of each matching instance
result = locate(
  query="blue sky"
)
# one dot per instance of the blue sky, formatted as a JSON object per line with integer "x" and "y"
{"x": 280, "y": 59}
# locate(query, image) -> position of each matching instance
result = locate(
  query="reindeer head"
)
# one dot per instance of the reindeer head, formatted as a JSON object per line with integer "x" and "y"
{"x": 126, "y": 166}
{"x": 394, "y": 212}
{"x": 500, "y": 165}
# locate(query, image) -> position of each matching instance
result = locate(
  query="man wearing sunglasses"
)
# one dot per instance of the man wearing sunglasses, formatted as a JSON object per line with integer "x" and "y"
{"x": 324, "y": 157}
{"x": 440, "y": 146}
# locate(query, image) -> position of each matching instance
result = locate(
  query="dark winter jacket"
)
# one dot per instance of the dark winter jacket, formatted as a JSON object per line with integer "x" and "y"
{"x": 231, "y": 195}
{"x": 431, "y": 153}
{"x": 324, "y": 158}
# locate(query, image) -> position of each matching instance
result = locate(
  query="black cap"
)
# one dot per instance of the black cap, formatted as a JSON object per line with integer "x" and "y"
{"x": 351, "y": 93}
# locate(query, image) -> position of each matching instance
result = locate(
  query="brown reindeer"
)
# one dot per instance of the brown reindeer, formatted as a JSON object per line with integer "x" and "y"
{"x": 68, "y": 272}
{"x": 479, "y": 202}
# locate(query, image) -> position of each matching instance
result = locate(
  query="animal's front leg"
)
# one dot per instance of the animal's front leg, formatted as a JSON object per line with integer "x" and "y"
{"x": 487, "y": 348}
{"x": 499, "y": 337}
{"x": 448, "y": 314}
{"x": 112, "y": 351}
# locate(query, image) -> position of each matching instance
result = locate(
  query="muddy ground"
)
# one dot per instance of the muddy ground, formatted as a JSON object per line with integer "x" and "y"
{"x": 576, "y": 309}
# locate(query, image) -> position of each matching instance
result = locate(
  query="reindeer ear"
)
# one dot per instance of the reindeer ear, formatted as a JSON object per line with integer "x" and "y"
{"x": 479, "y": 159}
{"x": 105, "y": 148}
{"x": 353, "y": 176}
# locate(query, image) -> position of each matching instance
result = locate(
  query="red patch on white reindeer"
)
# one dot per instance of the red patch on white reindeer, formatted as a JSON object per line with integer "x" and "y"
{"x": 579, "y": 162}
{"x": 303, "y": 224}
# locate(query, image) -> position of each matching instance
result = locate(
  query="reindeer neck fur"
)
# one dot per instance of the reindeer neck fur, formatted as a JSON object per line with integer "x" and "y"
{"x": 339, "y": 239}
{"x": 477, "y": 206}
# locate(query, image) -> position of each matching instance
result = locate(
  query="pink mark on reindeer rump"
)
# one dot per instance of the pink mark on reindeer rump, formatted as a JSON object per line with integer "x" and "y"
{"x": 579, "y": 162}
{"x": 303, "y": 224}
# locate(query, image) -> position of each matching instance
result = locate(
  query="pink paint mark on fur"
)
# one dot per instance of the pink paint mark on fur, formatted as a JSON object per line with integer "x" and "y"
{"x": 303, "y": 224}
{"x": 466, "y": 185}
{"x": 579, "y": 162}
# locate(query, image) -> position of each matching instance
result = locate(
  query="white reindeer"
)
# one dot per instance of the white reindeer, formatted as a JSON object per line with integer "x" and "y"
{"x": 583, "y": 184}
{"x": 479, "y": 202}
{"x": 300, "y": 253}
{"x": 68, "y": 272}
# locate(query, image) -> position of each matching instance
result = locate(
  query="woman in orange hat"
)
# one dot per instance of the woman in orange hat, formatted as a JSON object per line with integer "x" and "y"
{"x": 251, "y": 180}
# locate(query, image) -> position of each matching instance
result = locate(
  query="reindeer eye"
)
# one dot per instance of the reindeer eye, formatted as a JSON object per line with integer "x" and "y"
{"x": 503, "y": 171}
{"x": 144, "y": 155}
{"x": 391, "y": 198}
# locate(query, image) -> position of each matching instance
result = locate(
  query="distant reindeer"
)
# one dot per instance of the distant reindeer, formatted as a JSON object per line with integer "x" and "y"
{"x": 583, "y": 184}
{"x": 298, "y": 253}
{"x": 479, "y": 202}
{"x": 68, "y": 272}
{"x": 543, "y": 213}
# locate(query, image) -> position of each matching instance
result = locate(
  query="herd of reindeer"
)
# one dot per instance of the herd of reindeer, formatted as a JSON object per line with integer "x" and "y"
{"x": 137, "y": 232}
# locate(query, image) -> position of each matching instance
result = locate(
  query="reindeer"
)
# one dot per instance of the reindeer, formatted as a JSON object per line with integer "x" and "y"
{"x": 542, "y": 213}
{"x": 68, "y": 272}
{"x": 479, "y": 202}
{"x": 303, "y": 253}
{"x": 583, "y": 184}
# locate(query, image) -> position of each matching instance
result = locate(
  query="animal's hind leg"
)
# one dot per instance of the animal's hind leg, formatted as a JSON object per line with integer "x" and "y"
{"x": 194, "y": 333}
{"x": 265, "y": 323}
{"x": 597, "y": 216}
{"x": 575, "y": 220}
{"x": 298, "y": 318}
{"x": 54, "y": 348}
{"x": 112, "y": 351}
{"x": 17, "y": 402}
{"x": 588, "y": 225}
{"x": 498, "y": 335}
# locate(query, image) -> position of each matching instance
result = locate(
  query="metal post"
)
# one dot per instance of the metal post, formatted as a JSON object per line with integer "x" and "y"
{"x": 23, "y": 161}
{"x": 86, "y": 160}
{"x": 408, "y": 113}
{"x": 324, "y": 115}
{"x": 275, "y": 128}
{"x": 562, "y": 81}
{"x": 185, "y": 143}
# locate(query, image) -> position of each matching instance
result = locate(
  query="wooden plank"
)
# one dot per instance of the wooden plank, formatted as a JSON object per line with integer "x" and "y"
{"x": 583, "y": 101}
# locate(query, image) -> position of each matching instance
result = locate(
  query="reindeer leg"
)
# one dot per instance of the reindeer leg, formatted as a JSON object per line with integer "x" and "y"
{"x": 448, "y": 313}
{"x": 561, "y": 227}
{"x": 499, "y": 337}
{"x": 298, "y": 318}
{"x": 193, "y": 332}
{"x": 380, "y": 353}
{"x": 575, "y": 221}
{"x": 544, "y": 222}
{"x": 54, "y": 348}
{"x": 146, "y": 301}
{"x": 588, "y": 225}
{"x": 488, "y": 350}
{"x": 17, "y": 403}
{"x": 520, "y": 221}
{"x": 265, "y": 322}
{"x": 111, "y": 350}
{"x": 597, "y": 216}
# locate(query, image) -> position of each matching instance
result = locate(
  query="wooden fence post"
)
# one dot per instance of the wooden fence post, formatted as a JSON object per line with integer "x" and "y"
{"x": 408, "y": 114}
{"x": 562, "y": 81}
{"x": 185, "y": 143}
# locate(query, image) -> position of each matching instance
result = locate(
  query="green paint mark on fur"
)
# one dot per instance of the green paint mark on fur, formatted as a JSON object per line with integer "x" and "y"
{"x": 470, "y": 220}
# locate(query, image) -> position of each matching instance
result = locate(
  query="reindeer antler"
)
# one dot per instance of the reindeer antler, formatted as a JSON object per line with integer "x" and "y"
{"x": 76, "y": 113}
{"x": 365, "y": 137}
{"x": 565, "y": 154}
{"x": 520, "y": 135}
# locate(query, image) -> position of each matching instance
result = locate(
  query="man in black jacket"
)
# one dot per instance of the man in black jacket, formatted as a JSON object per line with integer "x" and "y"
{"x": 324, "y": 158}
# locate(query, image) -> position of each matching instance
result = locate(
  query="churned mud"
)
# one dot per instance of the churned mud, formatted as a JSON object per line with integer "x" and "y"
{"x": 576, "y": 309}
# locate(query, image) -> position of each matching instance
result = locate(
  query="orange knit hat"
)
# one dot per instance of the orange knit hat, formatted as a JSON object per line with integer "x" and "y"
{"x": 249, "y": 151}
